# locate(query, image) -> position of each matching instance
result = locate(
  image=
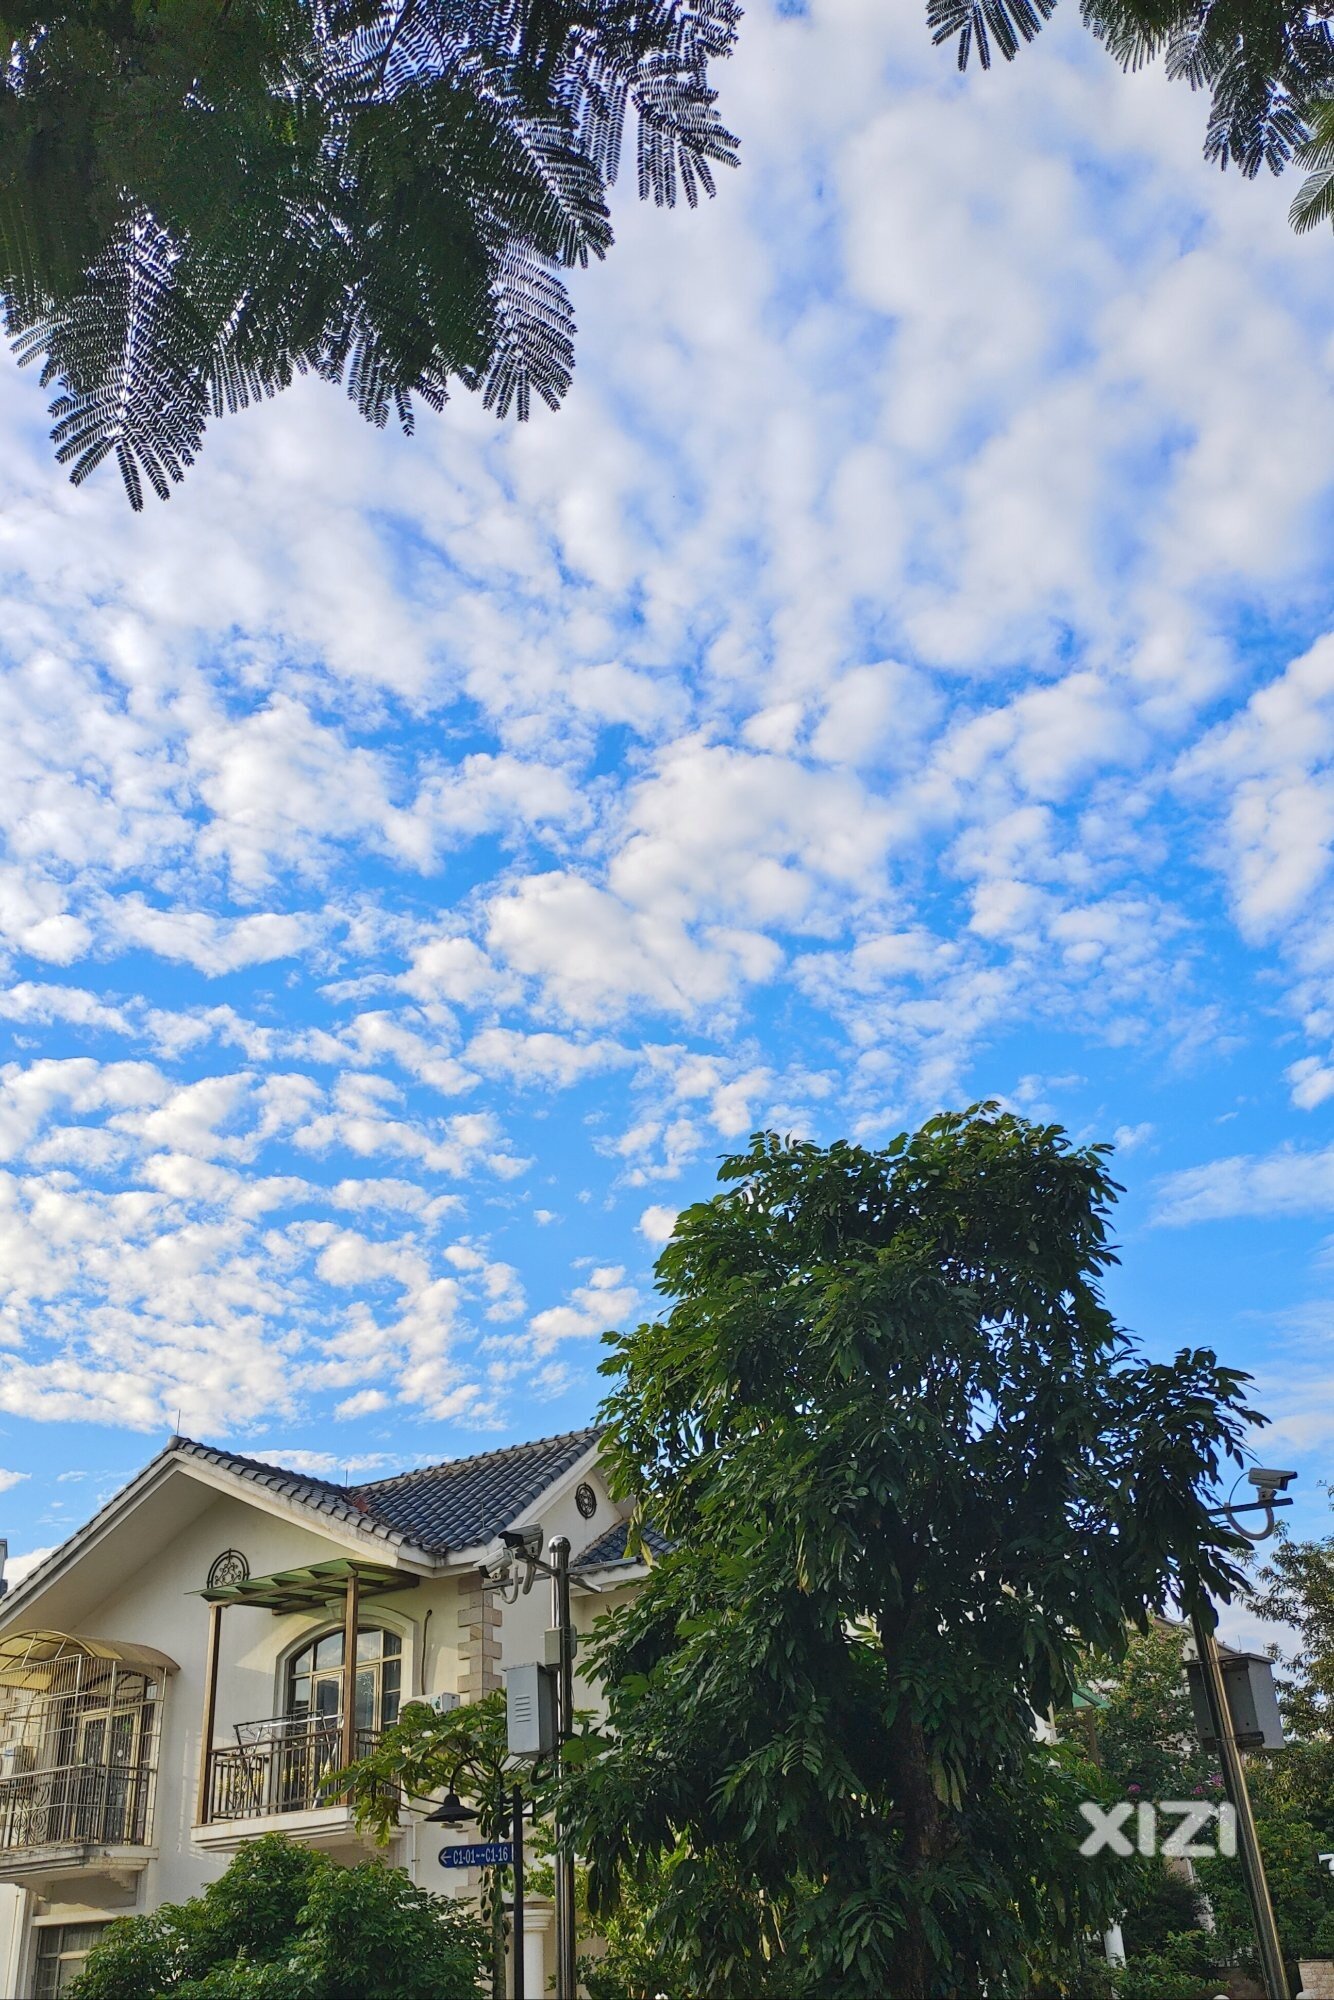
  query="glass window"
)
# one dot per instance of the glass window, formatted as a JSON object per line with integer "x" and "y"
{"x": 61, "y": 1951}
{"x": 315, "y": 1679}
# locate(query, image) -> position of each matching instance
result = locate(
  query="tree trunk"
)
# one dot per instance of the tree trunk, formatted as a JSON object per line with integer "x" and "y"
{"x": 925, "y": 1832}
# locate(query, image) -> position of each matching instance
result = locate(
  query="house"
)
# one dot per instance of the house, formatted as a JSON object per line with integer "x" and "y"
{"x": 173, "y": 1679}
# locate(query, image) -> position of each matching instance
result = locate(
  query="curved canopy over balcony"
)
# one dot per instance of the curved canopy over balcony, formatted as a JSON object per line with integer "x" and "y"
{"x": 42, "y": 1661}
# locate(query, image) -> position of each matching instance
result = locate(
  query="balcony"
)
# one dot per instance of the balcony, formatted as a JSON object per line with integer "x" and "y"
{"x": 84, "y": 1805}
{"x": 279, "y": 1769}
{"x": 79, "y": 1728}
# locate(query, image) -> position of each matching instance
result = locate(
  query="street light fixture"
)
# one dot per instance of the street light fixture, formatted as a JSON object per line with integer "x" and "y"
{"x": 519, "y": 1568}
{"x": 451, "y": 1811}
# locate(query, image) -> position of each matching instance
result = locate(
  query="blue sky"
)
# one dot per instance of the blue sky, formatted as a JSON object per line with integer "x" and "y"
{"x": 904, "y": 673}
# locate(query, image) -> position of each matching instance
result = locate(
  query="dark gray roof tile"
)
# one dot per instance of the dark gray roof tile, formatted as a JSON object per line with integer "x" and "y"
{"x": 609, "y": 1548}
{"x": 465, "y": 1501}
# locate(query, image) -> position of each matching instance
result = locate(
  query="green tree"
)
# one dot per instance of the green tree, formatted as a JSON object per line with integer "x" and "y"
{"x": 1143, "y": 1725}
{"x": 910, "y": 1468}
{"x": 1147, "y": 1746}
{"x": 287, "y": 1924}
{"x": 201, "y": 199}
{"x": 1296, "y": 1589}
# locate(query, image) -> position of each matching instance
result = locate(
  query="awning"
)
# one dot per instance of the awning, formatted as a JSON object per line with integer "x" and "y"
{"x": 311, "y": 1588}
{"x": 28, "y": 1659}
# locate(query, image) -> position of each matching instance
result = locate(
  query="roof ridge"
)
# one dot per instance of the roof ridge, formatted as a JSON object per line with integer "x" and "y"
{"x": 269, "y": 1465}
{"x": 589, "y": 1431}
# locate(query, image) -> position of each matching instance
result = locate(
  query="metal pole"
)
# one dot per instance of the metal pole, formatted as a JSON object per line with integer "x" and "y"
{"x": 351, "y": 1618}
{"x": 516, "y": 1832}
{"x": 559, "y": 1553}
{"x": 1234, "y": 1778}
{"x": 203, "y": 1801}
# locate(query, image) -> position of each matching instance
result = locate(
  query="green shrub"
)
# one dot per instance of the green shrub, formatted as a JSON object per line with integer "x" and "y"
{"x": 286, "y": 1924}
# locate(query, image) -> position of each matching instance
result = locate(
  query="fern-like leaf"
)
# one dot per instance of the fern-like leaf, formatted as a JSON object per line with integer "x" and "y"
{"x": 977, "y": 24}
{"x": 126, "y": 357}
{"x": 1314, "y": 202}
{"x": 534, "y": 339}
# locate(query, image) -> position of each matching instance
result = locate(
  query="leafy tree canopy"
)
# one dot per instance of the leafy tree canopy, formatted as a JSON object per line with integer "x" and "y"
{"x": 1296, "y": 1589}
{"x": 1268, "y": 66}
{"x": 284, "y": 1923}
{"x": 910, "y": 1468}
{"x": 200, "y": 199}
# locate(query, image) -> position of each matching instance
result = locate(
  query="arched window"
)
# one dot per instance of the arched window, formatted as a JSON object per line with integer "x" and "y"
{"x": 315, "y": 1678}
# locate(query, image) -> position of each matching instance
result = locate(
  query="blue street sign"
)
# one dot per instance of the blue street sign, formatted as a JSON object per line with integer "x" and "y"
{"x": 487, "y": 1854}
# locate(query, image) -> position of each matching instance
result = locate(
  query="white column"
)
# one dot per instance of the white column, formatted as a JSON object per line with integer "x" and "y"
{"x": 536, "y": 1924}
{"x": 14, "y": 1907}
{"x": 1114, "y": 1945}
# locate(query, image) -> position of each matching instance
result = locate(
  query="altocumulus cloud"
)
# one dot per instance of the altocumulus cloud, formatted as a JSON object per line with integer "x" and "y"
{"x": 496, "y": 827}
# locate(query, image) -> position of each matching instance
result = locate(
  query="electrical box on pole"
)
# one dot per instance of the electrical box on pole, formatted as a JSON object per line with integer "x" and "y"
{"x": 1248, "y": 1683}
{"x": 530, "y": 1711}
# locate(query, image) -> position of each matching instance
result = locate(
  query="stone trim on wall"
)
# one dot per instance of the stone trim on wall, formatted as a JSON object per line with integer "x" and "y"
{"x": 479, "y": 1630}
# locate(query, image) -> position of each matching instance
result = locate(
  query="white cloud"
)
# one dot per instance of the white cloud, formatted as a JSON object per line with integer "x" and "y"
{"x": 656, "y": 1222}
{"x": 8, "y": 1479}
{"x": 365, "y": 1403}
{"x": 211, "y": 944}
{"x": 1286, "y": 1182}
{"x": 541, "y": 1058}
{"x": 596, "y": 957}
{"x": 854, "y": 681}
{"x": 592, "y": 1308}
{"x": 19, "y": 1567}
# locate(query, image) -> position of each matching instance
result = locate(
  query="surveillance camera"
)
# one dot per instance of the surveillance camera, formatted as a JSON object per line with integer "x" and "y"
{"x": 1267, "y": 1481}
{"x": 524, "y": 1541}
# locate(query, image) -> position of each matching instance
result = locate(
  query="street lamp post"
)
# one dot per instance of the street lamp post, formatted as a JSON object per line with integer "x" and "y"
{"x": 452, "y": 1812}
{"x": 1269, "y": 1485}
{"x": 559, "y": 1552}
{"x": 522, "y": 1564}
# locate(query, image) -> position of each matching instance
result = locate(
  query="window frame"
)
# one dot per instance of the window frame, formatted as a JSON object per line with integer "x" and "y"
{"x": 309, "y": 1644}
{"x": 44, "y": 1959}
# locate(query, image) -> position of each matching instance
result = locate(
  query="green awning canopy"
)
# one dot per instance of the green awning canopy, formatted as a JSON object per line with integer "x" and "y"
{"x": 310, "y": 1588}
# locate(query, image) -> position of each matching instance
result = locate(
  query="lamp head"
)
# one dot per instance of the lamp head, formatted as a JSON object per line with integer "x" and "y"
{"x": 451, "y": 1811}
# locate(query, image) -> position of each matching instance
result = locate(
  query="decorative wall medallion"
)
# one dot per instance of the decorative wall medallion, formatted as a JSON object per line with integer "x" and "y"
{"x": 228, "y": 1568}
{"x": 586, "y": 1500}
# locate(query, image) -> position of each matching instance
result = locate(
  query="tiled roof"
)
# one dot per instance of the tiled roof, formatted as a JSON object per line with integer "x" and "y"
{"x": 322, "y": 1494}
{"x": 435, "y": 1510}
{"x": 609, "y": 1549}
{"x": 469, "y": 1500}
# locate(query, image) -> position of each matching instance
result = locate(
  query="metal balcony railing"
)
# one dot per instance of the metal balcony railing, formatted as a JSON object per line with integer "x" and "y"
{"x": 280, "y": 1765}
{"x": 93, "y": 1805}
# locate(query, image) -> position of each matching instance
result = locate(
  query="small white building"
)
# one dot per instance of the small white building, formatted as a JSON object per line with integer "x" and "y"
{"x": 172, "y": 1679}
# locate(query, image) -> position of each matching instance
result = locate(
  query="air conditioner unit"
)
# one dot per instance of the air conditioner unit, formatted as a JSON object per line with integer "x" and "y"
{"x": 15, "y": 1758}
{"x": 444, "y": 1703}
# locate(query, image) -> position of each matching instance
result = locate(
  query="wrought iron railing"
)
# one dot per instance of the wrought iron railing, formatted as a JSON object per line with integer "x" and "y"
{"x": 281, "y": 1765}
{"x": 95, "y": 1805}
